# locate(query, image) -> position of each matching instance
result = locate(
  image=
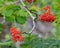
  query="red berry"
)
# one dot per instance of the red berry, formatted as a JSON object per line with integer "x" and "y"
{"x": 30, "y": 1}
{"x": 47, "y": 17}
{"x": 16, "y": 35}
{"x": 47, "y": 7}
{"x": 21, "y": 38}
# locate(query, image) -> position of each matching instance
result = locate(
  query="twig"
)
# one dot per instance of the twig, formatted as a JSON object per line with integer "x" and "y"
{"x": 30, "y": 15}
{"x": 33, "y": 12}
{"x": 25, "y": 33}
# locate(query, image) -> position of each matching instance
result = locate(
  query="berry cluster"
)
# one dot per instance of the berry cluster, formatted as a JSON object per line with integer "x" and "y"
{"x": 30, "y": 1}
{"x": 47, "y": 17}
{"x": 16, "y": 35}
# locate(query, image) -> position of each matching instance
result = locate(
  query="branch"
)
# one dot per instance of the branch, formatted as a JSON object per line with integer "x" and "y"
{"x": 34, "y": 13}
{"x": 30, "y": 15}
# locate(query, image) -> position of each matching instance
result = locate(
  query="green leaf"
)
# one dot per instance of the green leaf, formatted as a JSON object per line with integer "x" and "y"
{"x": 37, "y": 1}
{"x": 10, "y": 18}
{"x": 10, "y": 6}
{"x": 20, "y": 19}
{"x": 16, "y": 8}
{"x": 1, "y": 28}
{"x": 22, "y": 12}
{"x": 1, "y": 2}
{"x": 55, "y": 7}
{"x": 7, "y": 12}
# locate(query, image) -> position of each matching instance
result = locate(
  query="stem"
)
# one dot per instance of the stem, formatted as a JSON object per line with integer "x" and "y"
{"x": 27, "y": 9}
{"x": 33, "y": 27}
{"x": 30, "y": 15}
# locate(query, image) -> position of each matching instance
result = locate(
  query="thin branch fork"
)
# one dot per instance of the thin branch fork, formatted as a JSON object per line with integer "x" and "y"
{"x": 22, "y": 2}
{"x": 29, "y": 14}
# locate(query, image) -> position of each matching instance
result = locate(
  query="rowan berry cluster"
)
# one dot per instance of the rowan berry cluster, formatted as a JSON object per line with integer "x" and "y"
{"x": 16, "y": 35}
{"x": 47, "y": 17}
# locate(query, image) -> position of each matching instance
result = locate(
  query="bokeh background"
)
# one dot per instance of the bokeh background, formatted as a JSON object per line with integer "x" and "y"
{"x": 12, "y": 14}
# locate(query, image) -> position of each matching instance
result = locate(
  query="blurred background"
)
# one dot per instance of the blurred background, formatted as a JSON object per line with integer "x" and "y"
{"x": 12, "y": 14}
